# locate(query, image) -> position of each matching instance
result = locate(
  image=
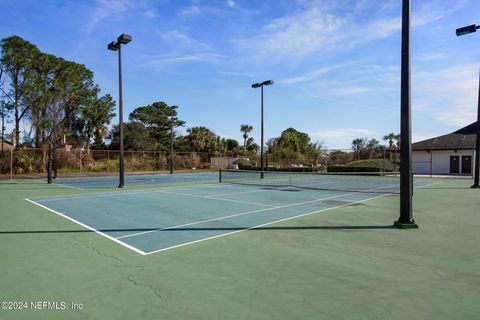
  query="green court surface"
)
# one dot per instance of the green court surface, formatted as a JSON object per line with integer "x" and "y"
{"x": 239, "y": 252}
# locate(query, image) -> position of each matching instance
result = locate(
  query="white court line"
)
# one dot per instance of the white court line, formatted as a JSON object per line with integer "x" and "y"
{"x": 264, "y": 224}
{"x": 125, "y": 192}
{"x": 213, "y": 237}
{"x": 67, "y": 186}
{"x": 237, "y": 214}
{"x": 89, "y": 228}
{"x": 59, "y": 184}
{"x": 239, "y": 192}
{"x": 220, "y": 199}
{"x": 276, "y": 221}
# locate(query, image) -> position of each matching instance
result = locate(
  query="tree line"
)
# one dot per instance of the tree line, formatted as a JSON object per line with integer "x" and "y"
{"x": 368, "y": 148}
{"x": 54, "y": 96}
{"x": 59, "y": 102}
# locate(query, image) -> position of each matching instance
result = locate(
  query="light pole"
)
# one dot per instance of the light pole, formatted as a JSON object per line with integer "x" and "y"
{"x": 460, "y": 32}
{"x": 261, "y": 85}
{"x": 405, "y": 221}
{"x": 171, "y": 142}
{"x": 117, "y": 46}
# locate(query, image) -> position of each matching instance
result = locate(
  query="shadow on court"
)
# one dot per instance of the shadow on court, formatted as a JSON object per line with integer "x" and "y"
{"x": 203, "y": 229}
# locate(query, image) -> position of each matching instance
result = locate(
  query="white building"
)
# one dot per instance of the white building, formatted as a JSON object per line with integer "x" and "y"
{"x": 450, "y": 154}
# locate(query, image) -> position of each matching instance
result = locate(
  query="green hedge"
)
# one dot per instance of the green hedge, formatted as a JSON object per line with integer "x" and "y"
{"x": 296, "y": 169}
{"x": 375, "y": 163}
{"x": 345, "y": 168}
{"x": 356, "y": 169}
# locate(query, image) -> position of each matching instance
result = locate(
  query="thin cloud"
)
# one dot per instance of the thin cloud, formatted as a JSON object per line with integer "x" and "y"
{"x": 352, "y": 90}
{"x": 448, "y": 95}
{"x": 198, "y": 10}
{"x": 104, "y": 9}
{"x": 162, "y": 62}
{"x": 238, "y": 74}
{"x": 320, "y": 28}
{"x": 315, "y": 74}
{"x": 181, "y": 40}
{"x": 150, "y": 13}
{"x": 343, "y": 133}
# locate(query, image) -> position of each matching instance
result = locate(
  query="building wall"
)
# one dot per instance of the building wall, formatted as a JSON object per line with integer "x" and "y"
{"x": 437, "y": 161}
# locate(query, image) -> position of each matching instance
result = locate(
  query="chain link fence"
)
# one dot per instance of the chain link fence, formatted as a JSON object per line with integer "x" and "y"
{"x": 27, "y": 162}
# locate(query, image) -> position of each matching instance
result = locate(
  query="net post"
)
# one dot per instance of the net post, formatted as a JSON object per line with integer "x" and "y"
{"x": 220, "y": 175}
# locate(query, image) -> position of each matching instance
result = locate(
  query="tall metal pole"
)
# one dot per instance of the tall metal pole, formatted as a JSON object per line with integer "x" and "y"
{"x": 477, "y": 143}
{"x": 120, "y": 119}
{"x": 49, "y": 163}
{"x": 3, "y": 129}
{"x": 171, "y": 145}
{"x": 406, "y": 186}
{"x": 262, "y": 168}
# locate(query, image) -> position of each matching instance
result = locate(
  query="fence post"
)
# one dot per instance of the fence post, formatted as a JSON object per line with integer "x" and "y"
{"x": 11, "y": 164}
{"x": 132, "y": 155}
{"x": 108, "y": 156}
{"x": 384, "y": 159}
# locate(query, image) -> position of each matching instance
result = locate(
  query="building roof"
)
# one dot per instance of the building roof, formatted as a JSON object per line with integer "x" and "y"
{"x": 6, "y": 144}
{"x": 462, "y": 139}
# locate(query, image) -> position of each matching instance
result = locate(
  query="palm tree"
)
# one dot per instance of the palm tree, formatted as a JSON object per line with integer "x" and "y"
{"x": 372, "y": 145}
{"x": 97, "y": 116}
{"x": 201, "y": 139}
{"x": 246, "y": 129}
{"x": 357, "y": 145}
{"x": 397, "y": 146}
{"x": 390, "y": 137}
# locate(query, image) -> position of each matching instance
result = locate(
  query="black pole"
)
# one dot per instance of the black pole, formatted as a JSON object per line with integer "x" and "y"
{"x": 3, "y": 127}
{"x": 49, "y": 164}
{"x": 54, "y": 163}
{"x": 171, "y": 145}
{"x": 477, "y": 143}
{"x": 406, "y": 186}
{"x": 120, "y": 120}
{"x": 261, "y": 134}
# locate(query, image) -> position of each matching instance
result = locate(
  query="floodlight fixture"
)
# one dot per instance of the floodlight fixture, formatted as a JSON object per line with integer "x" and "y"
{"x": 114, "y": 46}
{"x": 466, "y": 30}
{"x": 124, "y": 38}
{"x": 267, "y": 83}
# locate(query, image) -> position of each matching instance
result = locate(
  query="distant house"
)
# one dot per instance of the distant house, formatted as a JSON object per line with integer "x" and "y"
{"x": 450, "y": 154}
{"x": 7, "y": 146}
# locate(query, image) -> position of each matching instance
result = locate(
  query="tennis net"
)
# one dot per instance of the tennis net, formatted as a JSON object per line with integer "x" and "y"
{"x": 365, "y": 182}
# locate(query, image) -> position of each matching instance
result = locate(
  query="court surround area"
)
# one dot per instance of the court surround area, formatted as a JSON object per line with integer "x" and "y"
{"x": 200, "y": 249}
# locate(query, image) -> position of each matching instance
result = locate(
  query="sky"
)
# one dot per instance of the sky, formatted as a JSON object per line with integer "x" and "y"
{"x": 335, "y": 63}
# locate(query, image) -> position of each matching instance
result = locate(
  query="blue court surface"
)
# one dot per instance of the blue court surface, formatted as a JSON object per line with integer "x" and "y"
{"x": 136, "y": 180}
{"x": 153, "y": 220}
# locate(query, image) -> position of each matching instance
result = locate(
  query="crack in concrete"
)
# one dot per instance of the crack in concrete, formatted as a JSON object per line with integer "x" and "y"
{"x": 155, "y": 290}
{"x": 97, "y": 251}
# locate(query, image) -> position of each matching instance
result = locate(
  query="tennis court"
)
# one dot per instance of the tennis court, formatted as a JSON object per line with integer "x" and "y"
{"x": 153, "y": 220}
{"x": 136, "y": 180}
{"x": 339, "y": 263}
